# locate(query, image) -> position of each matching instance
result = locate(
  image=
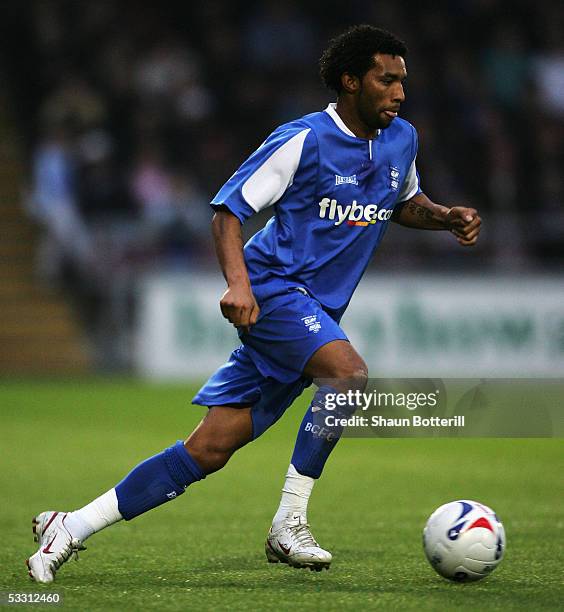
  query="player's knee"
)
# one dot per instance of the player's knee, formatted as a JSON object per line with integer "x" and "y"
{"x": 359, "y": 378}
{"x": 352, "y": 375}
{"x": 210, "y": 455}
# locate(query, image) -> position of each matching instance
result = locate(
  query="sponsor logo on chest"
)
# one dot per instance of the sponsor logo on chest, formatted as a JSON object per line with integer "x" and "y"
{"x": 353, "y": 214}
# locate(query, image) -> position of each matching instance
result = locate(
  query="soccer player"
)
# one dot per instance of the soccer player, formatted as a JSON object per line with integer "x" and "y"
{"x": 336, "y": 179}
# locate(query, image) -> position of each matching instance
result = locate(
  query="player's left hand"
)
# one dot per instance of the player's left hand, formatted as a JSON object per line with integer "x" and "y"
{"x": 464, "y": 223}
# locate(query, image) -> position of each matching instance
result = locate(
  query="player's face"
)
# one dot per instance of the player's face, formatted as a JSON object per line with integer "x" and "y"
{"x": 381, "y": 91}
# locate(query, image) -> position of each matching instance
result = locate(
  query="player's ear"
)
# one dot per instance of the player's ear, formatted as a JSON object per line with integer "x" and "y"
{"x": 350, "y": 82}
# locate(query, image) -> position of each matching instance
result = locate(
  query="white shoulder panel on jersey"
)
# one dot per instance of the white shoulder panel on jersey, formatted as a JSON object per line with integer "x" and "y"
{"x": 269, "y": 182}
{"x": 411, "y": 184}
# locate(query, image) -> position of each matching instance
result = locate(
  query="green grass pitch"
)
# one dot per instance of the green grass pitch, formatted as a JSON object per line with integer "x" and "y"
{"x": 64, "y": 443}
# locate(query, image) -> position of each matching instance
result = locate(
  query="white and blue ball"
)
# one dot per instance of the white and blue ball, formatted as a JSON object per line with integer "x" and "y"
{"x": 464, "y": 541}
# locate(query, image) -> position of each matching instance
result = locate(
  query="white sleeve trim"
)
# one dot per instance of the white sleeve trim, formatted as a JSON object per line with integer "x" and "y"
{"x": 411, "y": 184}
{"x": 269, "y": 182}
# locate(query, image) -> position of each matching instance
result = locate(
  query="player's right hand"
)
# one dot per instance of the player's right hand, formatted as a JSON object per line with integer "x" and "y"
{"x": 239, "y": 306}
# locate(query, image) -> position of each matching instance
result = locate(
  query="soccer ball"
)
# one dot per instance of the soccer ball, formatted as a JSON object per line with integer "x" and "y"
{"x": 464, "y": 541}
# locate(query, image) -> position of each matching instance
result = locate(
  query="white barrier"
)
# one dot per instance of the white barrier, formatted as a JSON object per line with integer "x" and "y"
{"x": 402, "y": 326}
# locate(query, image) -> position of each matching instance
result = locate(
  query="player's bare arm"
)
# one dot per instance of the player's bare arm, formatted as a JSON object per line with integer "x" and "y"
{"x": 421, "y": 213}
{"x": 238, "y": 304}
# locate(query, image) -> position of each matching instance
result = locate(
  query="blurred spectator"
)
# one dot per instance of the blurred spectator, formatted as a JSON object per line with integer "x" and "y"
{"x": 75, "y": 103}
{"x": 53, "y": 203}
{"x": 163, "y": 69}
{"x": 549, "y": 67}
{"x": 151, "y": 186}
{"x": 507, "y": 66}
{"x": 279, "y": 35}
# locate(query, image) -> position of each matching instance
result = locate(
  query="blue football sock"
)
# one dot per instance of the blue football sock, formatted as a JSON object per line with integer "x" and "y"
{"x": 315, "y": 439}
{"x": 157, "y": 480}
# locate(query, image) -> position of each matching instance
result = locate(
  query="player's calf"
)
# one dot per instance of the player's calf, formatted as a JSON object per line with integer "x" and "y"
{"x": 223, "y": 430}
{"x": 153, "y": 482}
{"x": 337, "y": 368}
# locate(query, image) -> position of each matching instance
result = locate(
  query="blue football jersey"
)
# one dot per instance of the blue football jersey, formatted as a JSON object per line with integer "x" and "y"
{"x": 333, "y": 195}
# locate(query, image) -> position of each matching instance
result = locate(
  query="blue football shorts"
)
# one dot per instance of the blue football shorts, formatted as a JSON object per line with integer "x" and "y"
{"x": 266, "y": 371}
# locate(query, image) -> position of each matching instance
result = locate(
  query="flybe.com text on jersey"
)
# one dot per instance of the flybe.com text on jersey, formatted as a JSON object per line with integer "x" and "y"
{"x": 352, "y": 213}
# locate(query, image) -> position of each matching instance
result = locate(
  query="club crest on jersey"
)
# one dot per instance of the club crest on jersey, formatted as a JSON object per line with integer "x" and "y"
{"x": 346, "y": 180}
{"x": 354, "y": 213}
{"x": 394, "y": 178}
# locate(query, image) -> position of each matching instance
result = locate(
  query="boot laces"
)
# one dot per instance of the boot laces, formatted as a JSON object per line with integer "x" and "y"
{"x": 69, "y": 550}
{"x": 303, "y": 535}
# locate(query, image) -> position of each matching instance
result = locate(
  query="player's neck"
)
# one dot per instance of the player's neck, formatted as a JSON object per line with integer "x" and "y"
{"x": 350, "y": 118}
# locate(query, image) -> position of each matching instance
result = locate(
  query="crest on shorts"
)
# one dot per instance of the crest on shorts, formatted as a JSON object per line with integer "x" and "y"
{"x": 312, "y": 324}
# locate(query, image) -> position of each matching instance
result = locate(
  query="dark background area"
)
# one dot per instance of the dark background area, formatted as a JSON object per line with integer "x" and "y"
{"x": 131, "y": 115}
